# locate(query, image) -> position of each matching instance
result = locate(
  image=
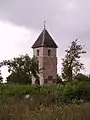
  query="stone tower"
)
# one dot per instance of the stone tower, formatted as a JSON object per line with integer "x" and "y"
{"x": 45, "y": 50}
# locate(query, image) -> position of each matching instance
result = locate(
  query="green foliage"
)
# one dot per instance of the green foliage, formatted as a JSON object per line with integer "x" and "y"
{"x": 59, "y": 79}
{"x": 18, "y": 78}
{"x": 71, "y": 63}
{"x": 51, "y": 93}
{"x": 62, "y": 102}
{"x": 82, "y": 77}
{"x": 1, "y": 79}
{"x": 21, "y": 69}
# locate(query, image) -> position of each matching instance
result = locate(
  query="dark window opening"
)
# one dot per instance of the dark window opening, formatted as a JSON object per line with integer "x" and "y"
{"x": 49, "y": 52}
{"x": 38, "y": 66}
{"x": 37, "y": 81}
{"x": 50, "y": 77}
{"x": 37, "y": 52}
{"x": 45, "y": 81}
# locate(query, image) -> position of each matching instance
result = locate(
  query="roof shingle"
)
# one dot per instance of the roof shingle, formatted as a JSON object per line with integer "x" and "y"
{"x": 44, "y": 40}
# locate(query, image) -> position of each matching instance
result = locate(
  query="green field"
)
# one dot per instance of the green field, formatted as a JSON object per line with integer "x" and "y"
{"x": 69, "y": 101}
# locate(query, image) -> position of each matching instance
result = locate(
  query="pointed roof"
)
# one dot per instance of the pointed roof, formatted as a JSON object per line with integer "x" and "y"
{"x": 44, "y": 40}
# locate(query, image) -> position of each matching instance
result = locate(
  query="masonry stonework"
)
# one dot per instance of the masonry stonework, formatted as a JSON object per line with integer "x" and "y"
{"x": 46, "y": 55}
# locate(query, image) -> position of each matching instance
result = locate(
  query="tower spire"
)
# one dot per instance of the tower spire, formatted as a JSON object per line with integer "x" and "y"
{"x": 44, "y": 24}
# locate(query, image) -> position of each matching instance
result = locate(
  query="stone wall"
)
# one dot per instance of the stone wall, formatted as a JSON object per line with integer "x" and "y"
{"x": 47, "y": 64}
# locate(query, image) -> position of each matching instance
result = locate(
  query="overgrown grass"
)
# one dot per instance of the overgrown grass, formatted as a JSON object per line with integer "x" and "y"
{"x": 70, "y": 101}
{"x": 57, "y": 93}
{"x": 16, "y": 109}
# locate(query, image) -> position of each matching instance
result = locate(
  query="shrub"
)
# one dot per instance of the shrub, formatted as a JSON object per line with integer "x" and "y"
{"x": 54, "y": 93}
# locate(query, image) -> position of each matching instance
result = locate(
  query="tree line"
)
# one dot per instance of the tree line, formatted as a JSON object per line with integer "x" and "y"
{"x": 23, "y": 67}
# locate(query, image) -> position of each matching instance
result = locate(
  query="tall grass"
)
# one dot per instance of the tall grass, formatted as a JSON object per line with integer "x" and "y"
{"x": 16, "y": 109}
{"x": 69, "y": 101}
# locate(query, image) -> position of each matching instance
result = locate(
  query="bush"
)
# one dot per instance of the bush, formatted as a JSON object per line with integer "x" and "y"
{"x": 53, "y": 93}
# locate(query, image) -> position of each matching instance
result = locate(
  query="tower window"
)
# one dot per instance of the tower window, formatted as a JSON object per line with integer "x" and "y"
{"x": 37, "y": 52}
{"x": 49, "y": 52}
{"x": 38, "y": 66}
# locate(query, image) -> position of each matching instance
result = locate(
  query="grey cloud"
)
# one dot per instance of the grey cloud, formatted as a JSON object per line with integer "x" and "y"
{"x": 66, "y": 19}
{"x": 30, "y": 12}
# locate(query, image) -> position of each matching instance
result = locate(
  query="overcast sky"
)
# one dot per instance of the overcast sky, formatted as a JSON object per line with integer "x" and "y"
{"x": 21, "y": 21}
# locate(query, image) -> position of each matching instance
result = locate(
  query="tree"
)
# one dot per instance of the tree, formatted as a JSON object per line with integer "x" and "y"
{"x": 1, "y": 78}
{"x": 71, "y": 63}
{"x": 21, "y": 69}
{"x": 82, "y": 77}
{"x": 59, "y": 79}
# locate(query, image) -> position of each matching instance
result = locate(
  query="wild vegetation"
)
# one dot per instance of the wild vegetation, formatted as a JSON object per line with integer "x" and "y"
{"x": 61, "y": 101}
{"x": 14, "y": 109}
{"x": 21, "y": 69}
{"x": 65, "y": 92}
{"x": 65, "y": 100}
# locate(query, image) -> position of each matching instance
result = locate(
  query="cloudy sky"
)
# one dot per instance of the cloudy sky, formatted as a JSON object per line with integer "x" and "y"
{"x": 21, "y": 21}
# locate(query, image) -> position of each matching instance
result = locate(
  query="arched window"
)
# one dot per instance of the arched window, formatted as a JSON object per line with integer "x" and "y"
{"x": 49, "y": 52}
{"x": 37, "y": 52}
